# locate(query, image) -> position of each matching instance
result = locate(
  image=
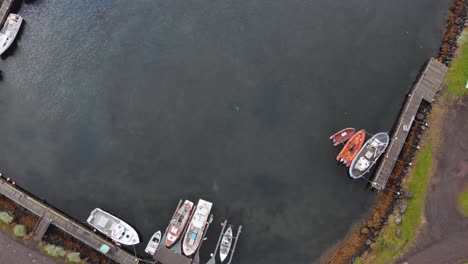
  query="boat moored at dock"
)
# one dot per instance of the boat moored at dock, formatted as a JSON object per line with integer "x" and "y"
{"x": 226, "y": 243}
{"x": 178, "y": 223}
{"x": 9, "y": 31}
{"x": 113, "y": 227}
{"x": 196, "y": 227}
{"x": 342, "y": 136}
{"x": 153, "y": 244}
{"x": 351, "y": 148}
{"x": 368, "y": 155}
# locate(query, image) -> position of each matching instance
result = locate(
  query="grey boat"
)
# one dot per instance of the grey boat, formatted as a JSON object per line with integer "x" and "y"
{"x": 368, "y": 155}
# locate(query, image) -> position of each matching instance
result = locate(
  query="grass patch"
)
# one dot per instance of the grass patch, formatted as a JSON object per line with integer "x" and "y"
{"x": 388, "y": 246}
{"x": 19, "y": 230}
{"x": 457, "y": 75}
{"x": 463, "y": 203}
{"x": 54, "y": 251}
{"x": 74, "y": 257}
{"x": 6, "y": 217}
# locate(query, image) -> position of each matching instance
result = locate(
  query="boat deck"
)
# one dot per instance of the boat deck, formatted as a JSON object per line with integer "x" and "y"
{"x": 48, "y": 216}
{"x": 429, "y": 83}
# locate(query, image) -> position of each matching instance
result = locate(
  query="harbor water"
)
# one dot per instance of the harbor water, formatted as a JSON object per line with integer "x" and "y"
{"x": 131, "y": 105}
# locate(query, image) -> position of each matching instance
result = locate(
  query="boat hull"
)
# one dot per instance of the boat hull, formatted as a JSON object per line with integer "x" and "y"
{"x": 9, "y": 31}
{"x": 153, "y": 243}
{"x": 226, "y": 243}
{"x": 194, "y": 235}
{"x": 368, "y": 155}
{"x": 113, "y": 227}
{"x": 178, "y": 223}
{"x": 351, "y": 148}
{"x": 342, "y": 136}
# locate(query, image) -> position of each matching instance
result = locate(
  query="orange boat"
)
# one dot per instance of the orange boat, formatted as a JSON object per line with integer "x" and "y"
{"x": 352, "y": 147}
{"x": 342, "y": 135}
{"x": 178, "y": 223}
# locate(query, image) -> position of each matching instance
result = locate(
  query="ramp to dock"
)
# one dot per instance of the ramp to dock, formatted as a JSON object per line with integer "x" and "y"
{"x": 429, "y": 83}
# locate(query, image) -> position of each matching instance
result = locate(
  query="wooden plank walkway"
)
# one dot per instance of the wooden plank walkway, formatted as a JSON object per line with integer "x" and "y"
{"x": 5, "y": 6}
{"x": 65, "y": 223}
{"x": 428, "y": 85}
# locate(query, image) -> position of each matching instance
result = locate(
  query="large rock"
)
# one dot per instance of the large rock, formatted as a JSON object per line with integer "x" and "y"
{"x": 403, "y": 207}
{"x": 398, "y": 232}
{"x": 398, "y": 219}
{"x": 365, "y": 231}
{"x": 408, "y": 194}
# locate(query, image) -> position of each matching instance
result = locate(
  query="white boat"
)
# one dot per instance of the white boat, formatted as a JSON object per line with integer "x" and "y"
{"x": 197, "y": 225}
{"x": 153, "y": 244}
{"x": 368, "y": 155}
{"x": 113, "y": 227}
{"x": 9, "y": 31}
{"x": 226, "y": 243}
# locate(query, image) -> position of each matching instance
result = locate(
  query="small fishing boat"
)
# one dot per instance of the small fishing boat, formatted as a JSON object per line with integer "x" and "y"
{"x": 9, "y": 31}
{"x": 351, "y": 148}
{"x": 342, "y": 136}
{"x": 196, "y": 228}
{"x": 368, "y": 155}
{"x": 113, "y": 227}
{"x": 153, "y": 243}
{"x": 178, "y": 223}
{"x": 226, "y": 243}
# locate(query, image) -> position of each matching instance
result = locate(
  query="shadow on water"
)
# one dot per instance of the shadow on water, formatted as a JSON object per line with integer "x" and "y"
{"x": 16, "y": 7}
{"x": 28, "y": 2}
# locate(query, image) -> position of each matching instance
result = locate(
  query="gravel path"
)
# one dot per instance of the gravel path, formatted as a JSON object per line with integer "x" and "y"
{"x": 16, "y": 253}
{"x": 444, "y": 238}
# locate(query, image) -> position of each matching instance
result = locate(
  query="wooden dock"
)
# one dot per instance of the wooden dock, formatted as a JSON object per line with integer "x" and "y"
{"x": 5, "y": 6}
{"x": 49, "y": 216}
{"x": 429, "y": 83}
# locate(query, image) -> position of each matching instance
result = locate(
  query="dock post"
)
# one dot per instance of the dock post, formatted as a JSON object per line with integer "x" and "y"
{"x": 235, "y": 244}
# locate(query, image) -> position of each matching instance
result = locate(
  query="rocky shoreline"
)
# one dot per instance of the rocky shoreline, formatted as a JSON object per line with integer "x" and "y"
{"x": 363, "y": 235}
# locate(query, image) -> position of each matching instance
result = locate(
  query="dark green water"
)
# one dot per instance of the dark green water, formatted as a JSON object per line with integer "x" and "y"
{"x": 131, "y": 105}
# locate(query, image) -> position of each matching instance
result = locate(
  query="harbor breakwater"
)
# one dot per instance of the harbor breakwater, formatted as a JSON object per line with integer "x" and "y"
{"x": 363, "y": 235}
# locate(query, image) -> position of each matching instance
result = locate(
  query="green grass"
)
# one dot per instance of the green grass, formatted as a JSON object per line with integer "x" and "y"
{"x": 6, "y": 217}
{"x": 457, "y": 76}
{"x": 19, "y": 230}
{"x": 54, "y": 251}
{"x": 463, "y": 203}
{"x": 388, "y": 246}
{"x": 74, "y": 257}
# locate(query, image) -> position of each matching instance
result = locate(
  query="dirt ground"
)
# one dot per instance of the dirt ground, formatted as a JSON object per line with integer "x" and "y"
{"x": 15, "y": 253}
{"x": 444, "y": 236}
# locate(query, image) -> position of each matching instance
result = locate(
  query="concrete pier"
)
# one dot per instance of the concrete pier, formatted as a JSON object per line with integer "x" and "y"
{"x": 49, "y": 216}
{"x": 429, "y": 83}
{"x": 5, "y": 6}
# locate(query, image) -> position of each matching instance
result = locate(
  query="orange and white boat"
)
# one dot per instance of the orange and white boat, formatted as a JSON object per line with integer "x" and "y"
{"x": 352, "y": 147}
{"x": 178, "y": 223}
{"x": 342, "y": 136}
